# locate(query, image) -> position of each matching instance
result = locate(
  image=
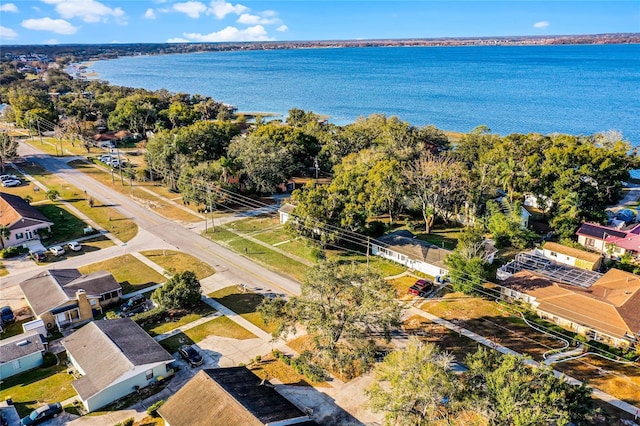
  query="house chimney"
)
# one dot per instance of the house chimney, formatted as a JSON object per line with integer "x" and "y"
{"x": 83, "y": 305}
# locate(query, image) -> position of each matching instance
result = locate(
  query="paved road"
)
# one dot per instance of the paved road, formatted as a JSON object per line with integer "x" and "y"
{"x": 163, "y": 231}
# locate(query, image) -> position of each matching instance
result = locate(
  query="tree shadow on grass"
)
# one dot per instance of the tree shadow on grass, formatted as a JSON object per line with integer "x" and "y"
{"x": 241, "y": 303}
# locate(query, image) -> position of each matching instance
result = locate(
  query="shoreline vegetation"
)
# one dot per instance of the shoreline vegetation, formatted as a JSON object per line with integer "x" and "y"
{"x": 75, "y": 53}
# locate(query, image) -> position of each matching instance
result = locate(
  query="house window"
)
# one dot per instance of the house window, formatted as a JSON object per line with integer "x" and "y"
{"x": 149, "y": 374}
{"x": 590, "y": 242}
{"x": 16, "y": 364}
{"x": 19, "y": 236}
{"x": 93, "y": 302}
{"x": 553, "y": 253}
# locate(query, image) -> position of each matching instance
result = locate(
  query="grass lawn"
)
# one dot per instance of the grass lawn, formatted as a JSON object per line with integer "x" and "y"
{"x": 132, "y": 274}
{"x": 52, "y": 146}
{"x": 201, "y": 310}
{"x": 402, "y": 285}
{"x": 271, "y": 368}
{"x": 441, "y": 237}
{"x": 3, "y": 270}
{"x": 37, "y": 387}
{"x": 13, "y": 329}
{"x": 111, "y": 178}
{"x": 105, "y": 216}
{"x": 65, "y": 227}
{"x": 382, "y": 266}
{"x": 221, "y": 326}
{"x": 260, "y": 254}
{"x": 175, "y": 261}
{"x": 243, "y": 304}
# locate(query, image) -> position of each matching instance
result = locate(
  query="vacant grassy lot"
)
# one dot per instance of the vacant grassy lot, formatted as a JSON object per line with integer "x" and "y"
{"x": 53, "y": 146}
{"x": 157, "y": 203}
{"x": 263, "y": 255}
{"x": 108, "y": 218}
{"x": 201, "y": 310}
{"x": 175, "y": 262}
{"x": 221, "y": 326}
{"x": 132, "y": 274}
{"x": 377, "y": 264}
{"x": 37, "y": 387}
{"x": 243, "y": 304}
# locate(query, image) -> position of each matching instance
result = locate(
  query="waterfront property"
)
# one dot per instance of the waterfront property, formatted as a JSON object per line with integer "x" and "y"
{"x": 114, "y": 358}
{"x": 607, "y": 311}
{"x": 21, "y": 353}
{"x": 64, "y": 297}
{"x": 230, "y": 396}
{"x": 23, "y": 220}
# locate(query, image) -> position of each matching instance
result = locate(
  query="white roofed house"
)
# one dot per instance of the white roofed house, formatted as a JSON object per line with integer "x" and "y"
{"x": 114, "y": 358}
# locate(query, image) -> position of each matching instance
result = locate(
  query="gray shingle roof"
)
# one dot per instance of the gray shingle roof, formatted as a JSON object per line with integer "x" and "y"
{"x": 52, "y": 288}
{"x": 21, "y": 345}
{"x": 229, "y": 396}
{"x": 105, "y": 350}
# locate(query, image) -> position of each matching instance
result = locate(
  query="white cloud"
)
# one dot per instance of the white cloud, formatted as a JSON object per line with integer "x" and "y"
{"x": 9, "y": 7}
{"x": 541, "y": 24}
{"x": 268, "y": 18}
{"x": 88, "y": 10}
{"x": 282, "y": 28}
{"x": 192, "y": 9}
{"x": 177, "y": 40}
{"x": 221, "y": 8}
{"x": 58, "y": 26}
{"x": 150, "y": 14}
{"x": 255, "y": 33}
{"x": 51, "y": 41}
{"x": 7, "y": 33}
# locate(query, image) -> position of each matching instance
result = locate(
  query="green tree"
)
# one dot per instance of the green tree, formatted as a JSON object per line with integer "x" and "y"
{"x": 5, "y": 233}
{"x": 506, "y": 226}
{"x": 415, "y": 386}
{"x": 468, "y": 268}
{"x": 182, "y": 291}
{"x": 53, "y": 194}
{"x": 386, "y": 187}
{"x": 511, "y": 392}
{"x": 8, "y": 150}
{"x": 343, "y": 307}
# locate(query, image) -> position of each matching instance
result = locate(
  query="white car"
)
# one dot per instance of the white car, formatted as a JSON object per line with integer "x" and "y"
{"x": 11, "y": 182}
{"x": 74, "y": 246}
{"x": 8, "y": 177}
{"x": 115, "y": 163}
{"x": 56, "y": 250}
{"x": 105, "y": 158}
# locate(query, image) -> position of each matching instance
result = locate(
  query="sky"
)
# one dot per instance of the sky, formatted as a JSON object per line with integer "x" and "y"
{"x": 161, "y": 21}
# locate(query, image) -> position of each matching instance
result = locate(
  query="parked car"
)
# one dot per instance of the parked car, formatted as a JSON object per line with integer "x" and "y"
{"x": 6, "y": 315}
{"x": 108, "y": 145}
{"x": 41, "y": 414}
{"x": 74, "y": 246}
{"x": 191, "y": 355}
{"x": 38, "y": 256}
{"x": 105, "y": 158}
{"x": 421, "y": 288}
{"x": 57, "y": 250}
{"x": 134, "y": 305}
{"x": 114, "y": 163}
{"x": 11, "y": 182}
{"x": 8, "y": 177}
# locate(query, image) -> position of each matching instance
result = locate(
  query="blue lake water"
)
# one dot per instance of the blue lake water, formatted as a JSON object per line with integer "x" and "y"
{"x": 577, "y": 89}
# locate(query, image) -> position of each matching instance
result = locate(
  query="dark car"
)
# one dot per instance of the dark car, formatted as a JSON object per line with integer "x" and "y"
{"x": 189, "y": 354}
{"x": 7, "y": 316}
{"x": 420, "y": 288}
{"x": 42, "y": 413}
{"x": 38, "y": 256}
{"x": 135, "y": 305}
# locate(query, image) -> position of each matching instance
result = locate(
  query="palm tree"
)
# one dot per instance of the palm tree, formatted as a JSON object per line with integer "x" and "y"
{"x": 508, "y": 172}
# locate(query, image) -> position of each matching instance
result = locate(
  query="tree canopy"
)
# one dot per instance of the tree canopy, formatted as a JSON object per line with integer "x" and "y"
{"x": 180, "y": 292}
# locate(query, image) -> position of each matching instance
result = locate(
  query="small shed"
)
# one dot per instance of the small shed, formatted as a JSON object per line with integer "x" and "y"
{"x": 285, "y": 212}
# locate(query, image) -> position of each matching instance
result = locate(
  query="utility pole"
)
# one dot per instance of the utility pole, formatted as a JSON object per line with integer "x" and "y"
{"x": 120, "y": 167}
{"x": 368, "y": 245}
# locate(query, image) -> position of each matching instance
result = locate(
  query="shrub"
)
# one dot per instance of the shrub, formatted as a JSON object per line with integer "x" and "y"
{"x": 376, "y": 228}
{"x": 49, "y": 359}
{"x": 10, "y": 252}
{"x": 129, "y": 422}
{"x": 152, "y": 315}
{"x": 153, "y": 409}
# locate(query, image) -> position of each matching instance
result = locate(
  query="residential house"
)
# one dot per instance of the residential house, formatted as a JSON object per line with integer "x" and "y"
{"x": 114, "y": 358}
{"x": 607, "y": 311}
{"x": 21, "y": 353}
{"x": 285, "y": 212}
{"x": 65, "y": 297}
{"x": 23, "y": 220}
{"x": 571, "y": 256}
{"x": 609, "y": 240}
{"x": 298, "y": 182}
{"x": 404, "y": 248}
{"x": 230, "y": 396}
